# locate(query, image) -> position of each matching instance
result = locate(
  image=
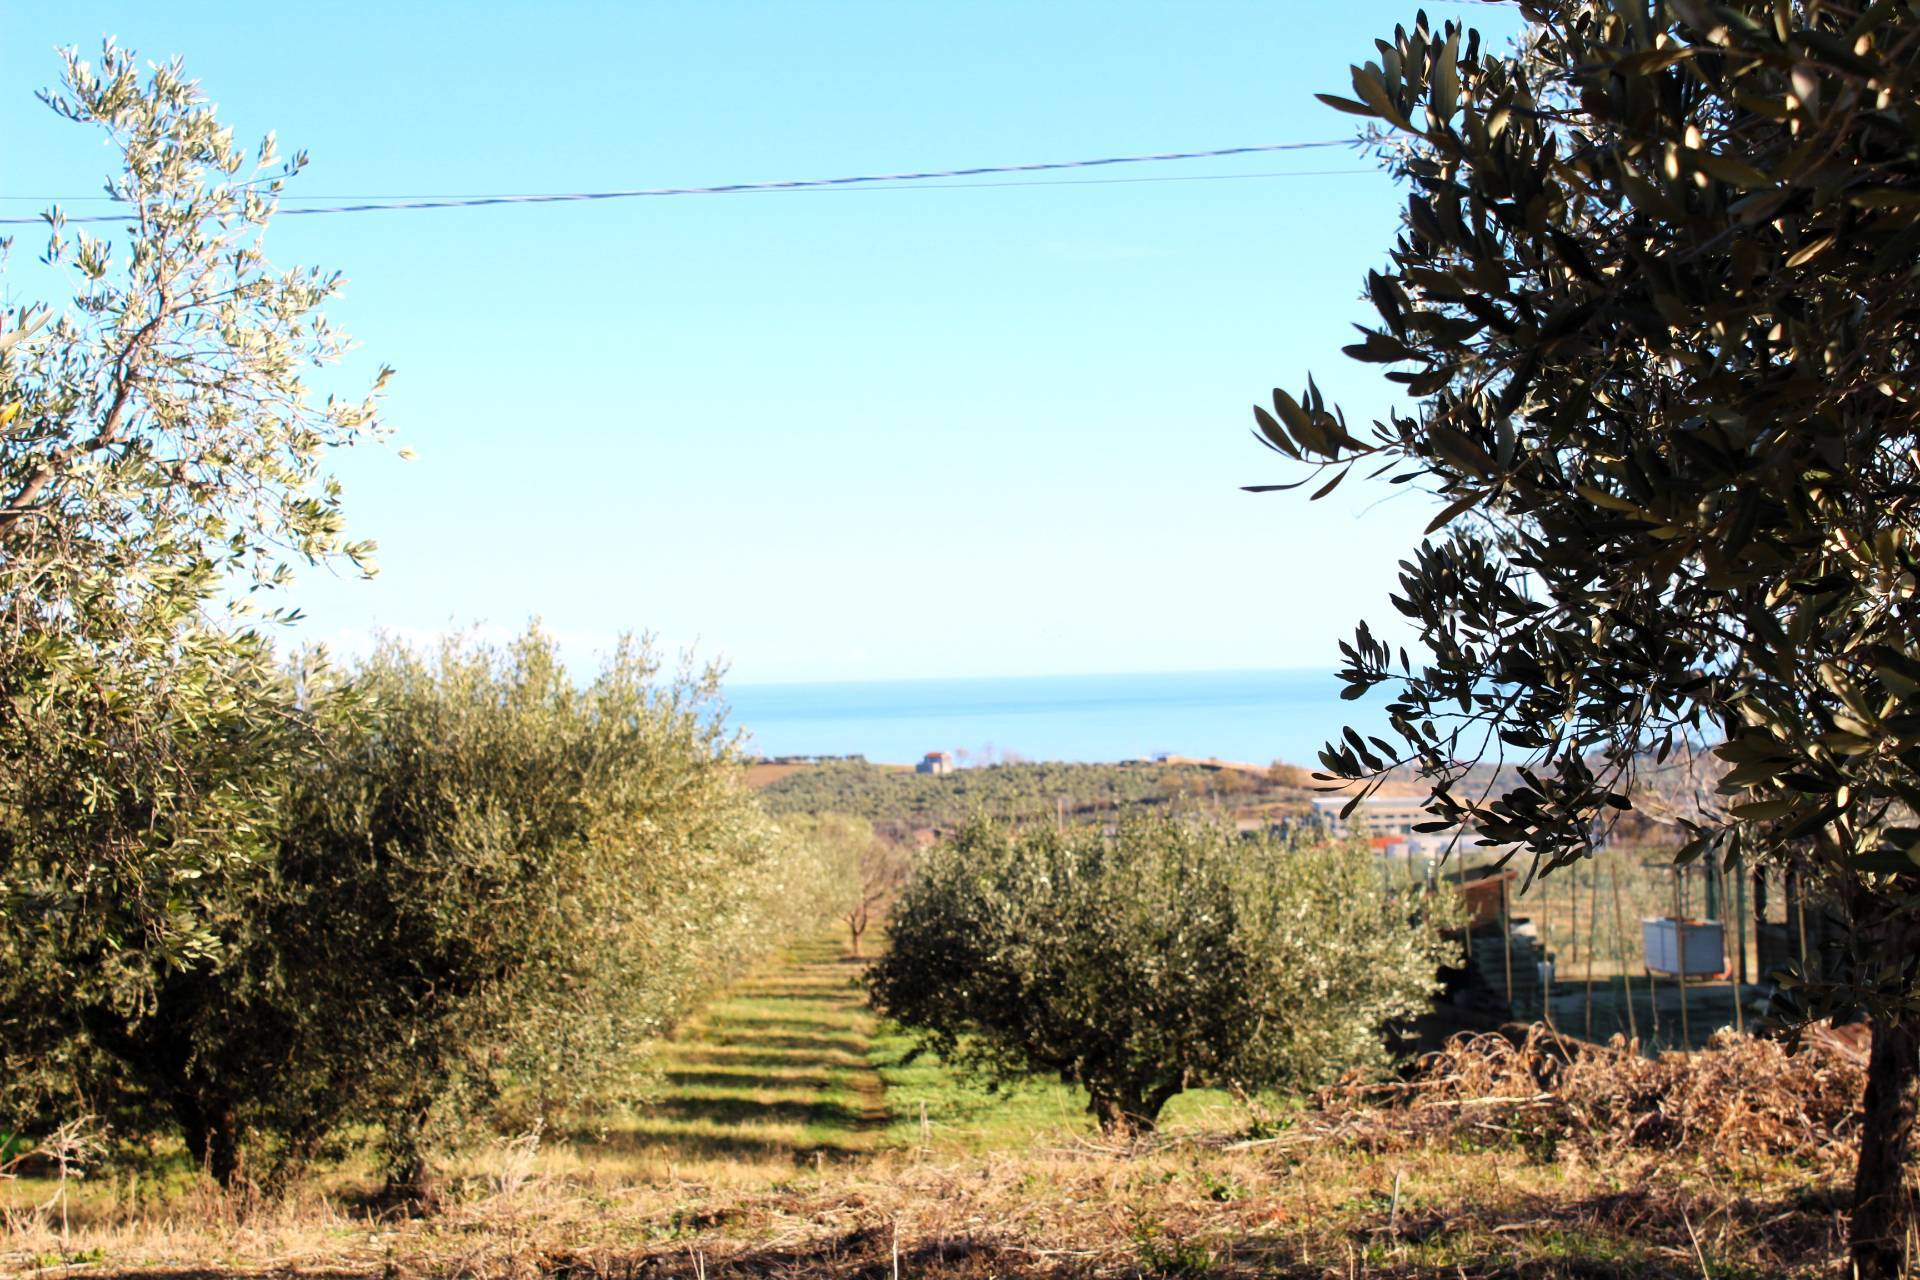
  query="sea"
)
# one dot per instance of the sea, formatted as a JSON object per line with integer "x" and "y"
{"x": 1251, "y": 716}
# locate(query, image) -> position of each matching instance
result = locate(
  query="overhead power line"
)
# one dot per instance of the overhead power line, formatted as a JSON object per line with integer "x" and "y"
{"x": 887, "y": 181}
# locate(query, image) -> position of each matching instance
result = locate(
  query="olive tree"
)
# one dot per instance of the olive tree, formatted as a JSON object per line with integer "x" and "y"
{"x": 518, "y": 878}
{"x": 161, "y": 471}
{"x": 1653, "y": 302}
{"x": 1169, "y": 955}
{"x": 881, "y": 872}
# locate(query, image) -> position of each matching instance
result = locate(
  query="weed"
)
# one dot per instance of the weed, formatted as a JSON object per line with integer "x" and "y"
{"x": 1162, "y": 1253}
{"x": 1220, "y": 1189}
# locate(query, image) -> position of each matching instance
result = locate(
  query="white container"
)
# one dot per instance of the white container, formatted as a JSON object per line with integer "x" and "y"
{"x": 1705, "y": 941}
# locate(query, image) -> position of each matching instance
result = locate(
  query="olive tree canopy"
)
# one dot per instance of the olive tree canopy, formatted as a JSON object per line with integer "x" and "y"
{"x": 159, "y": 447}
{"x": 162, "y": 469}
{"x": 1172, "y": 954}
{"x": 1654, "y": 298}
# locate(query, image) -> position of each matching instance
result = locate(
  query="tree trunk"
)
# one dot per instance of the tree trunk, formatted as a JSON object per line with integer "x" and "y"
{"x": 1882, "y": 1208}
{"x": 857, "y": 925}
{"x": 406, "y": 1157}
{"x": 1129, "y": 1111}
{"x": 1119, "y": 1116}
{"x": 213, "y": 1139}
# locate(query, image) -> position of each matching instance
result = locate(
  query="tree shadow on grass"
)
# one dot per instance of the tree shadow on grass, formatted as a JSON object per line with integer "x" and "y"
{"x": 749, "y": 1078}
{"x": 865, "y": 1254}
{"x": 850, "y": 1043}
{"x": 748, "y": 1111}
{"x": 751, "y": 1028}
{"x": 839, "y": 992}
{"x": 760, "y": 1056}
{"x": 741, "y": 1144}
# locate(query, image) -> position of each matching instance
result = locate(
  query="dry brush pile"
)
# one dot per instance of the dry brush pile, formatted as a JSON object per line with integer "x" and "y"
{"x": 1742, "y": 1100}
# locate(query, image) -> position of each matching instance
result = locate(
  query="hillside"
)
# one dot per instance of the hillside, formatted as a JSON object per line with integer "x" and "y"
{"x": 890, "y": 797}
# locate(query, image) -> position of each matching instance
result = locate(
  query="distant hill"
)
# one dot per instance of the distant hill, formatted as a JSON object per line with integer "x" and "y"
{"x": 903, "y": 800}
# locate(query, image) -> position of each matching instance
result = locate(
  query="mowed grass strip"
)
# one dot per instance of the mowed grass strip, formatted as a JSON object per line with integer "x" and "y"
{"x": 932, "y": 1106}
{"x": 776, "y": 1068}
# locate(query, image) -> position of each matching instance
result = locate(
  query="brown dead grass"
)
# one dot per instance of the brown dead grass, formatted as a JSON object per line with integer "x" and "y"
{"x": 765, "y": 775}
{"x": 1515, "y": 1157}
{"x": 1183, "y": 1208}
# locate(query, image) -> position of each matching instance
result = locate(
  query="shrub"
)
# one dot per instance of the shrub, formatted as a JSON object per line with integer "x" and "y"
{"x": 1167, "y": 955}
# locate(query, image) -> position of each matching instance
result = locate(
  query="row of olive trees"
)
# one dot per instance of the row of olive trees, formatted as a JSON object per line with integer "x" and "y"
{"x": 866, "y": 871}
{"x": 1170, "y": 954}
{"x": 259, "y": 905}
{"x": 480, "y": 890}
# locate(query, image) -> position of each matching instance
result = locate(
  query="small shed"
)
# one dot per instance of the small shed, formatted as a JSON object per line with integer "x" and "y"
{"x": 1486, "y": 896}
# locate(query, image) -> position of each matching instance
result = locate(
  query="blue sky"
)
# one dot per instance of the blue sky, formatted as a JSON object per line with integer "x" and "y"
{"x": 825, "y": 435}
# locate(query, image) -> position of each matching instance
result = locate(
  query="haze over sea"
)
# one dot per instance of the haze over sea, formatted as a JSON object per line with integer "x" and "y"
{"x": 1255, "y": 716}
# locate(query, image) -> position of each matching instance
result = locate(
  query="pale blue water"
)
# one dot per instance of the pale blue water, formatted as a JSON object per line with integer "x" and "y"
{"x": 1254, "y": 716}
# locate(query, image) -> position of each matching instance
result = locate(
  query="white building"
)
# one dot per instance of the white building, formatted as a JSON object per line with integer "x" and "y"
{"x": 1386, "y": 822}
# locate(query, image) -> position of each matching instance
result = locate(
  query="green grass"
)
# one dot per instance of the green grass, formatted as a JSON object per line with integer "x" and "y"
{"x": 964, "y": 1113}
{"x": 790, "y": 1063}
{"x": 933, "y": 1105}
{"x": 775, "y": 1068}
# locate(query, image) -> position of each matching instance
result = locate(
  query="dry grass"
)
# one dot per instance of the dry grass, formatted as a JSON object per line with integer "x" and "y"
{"x": 1331, "y": 1205}
{"x": 761, "y": 774}
{"x": 1535, "y": 1158}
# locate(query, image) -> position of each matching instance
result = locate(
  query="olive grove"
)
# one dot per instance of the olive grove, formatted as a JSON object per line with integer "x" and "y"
{"x": 265, "y": 903}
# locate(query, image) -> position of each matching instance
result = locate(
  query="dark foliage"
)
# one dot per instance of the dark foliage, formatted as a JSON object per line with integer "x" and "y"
{"x": 1654, "y": 296}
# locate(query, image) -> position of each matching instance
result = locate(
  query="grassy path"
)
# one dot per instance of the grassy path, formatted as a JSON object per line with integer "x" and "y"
{"x": 789, "y": 1065}
{"x": 777, "y": 1067}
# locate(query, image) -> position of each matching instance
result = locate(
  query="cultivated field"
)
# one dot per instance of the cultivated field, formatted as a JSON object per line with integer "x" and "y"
{"x": 790, "y": 1139}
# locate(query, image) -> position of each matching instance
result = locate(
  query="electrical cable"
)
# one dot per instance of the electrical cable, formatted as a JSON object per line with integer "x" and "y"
{"x": 882, "y": 182}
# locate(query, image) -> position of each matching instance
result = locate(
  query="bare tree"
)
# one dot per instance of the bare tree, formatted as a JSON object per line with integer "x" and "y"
{"x": 882, "y": 873}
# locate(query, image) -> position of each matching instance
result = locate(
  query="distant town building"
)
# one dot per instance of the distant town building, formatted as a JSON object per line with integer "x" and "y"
{"x": 856, "y": 758}
{"x": 935, "y": 762}
{"x": 1386, "y": 821}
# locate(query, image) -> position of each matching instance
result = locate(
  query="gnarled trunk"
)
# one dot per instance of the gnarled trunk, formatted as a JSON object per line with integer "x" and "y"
{"x": 406, "y": 1155}
{"x": 1119, "y": 1116}
{"x": 1123, "y": 1111}
{"x": 1882, "y": 1214}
